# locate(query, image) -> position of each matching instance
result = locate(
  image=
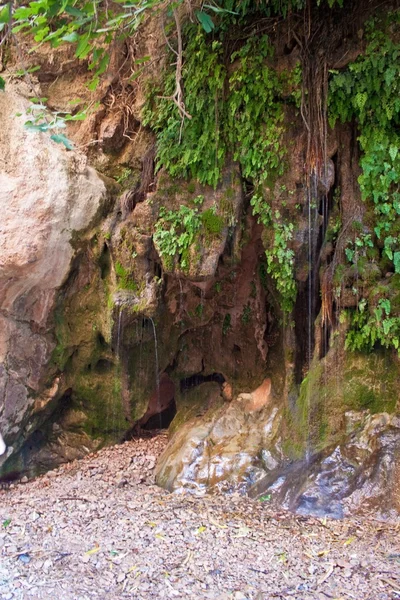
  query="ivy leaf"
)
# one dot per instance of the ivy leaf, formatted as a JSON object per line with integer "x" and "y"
{"x": 70, "y": 37}
{"x": 5, "y": 14}
{"x": 396, "y": 262}
{"x": 74, "y": 12}
{"x": 59, "y": 138}
{"x": 83, "y": 48}
{"x": 218, "y": 9}
{"x": 205, "y": 20}
{"x": 2, "y": 84}
{"x": 393, "y": 150}
{"x": 33, "y": 127}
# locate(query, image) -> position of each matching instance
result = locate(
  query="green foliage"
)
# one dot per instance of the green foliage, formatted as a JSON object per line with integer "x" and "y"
{"x": 88, "y": 25}
{"x": 269, "y": 8}
{"x": 254, "y": 115}
{"x": 369, "y": 327}
{"x": 243, "y": 111}
{"x": 175, "y": 232}
{"x": 193, "y": 147}
{"x": 123, "y": 176}
{"x": 280, "y": 258}
{"x": 226, "y": 324}
{"x": 359, "y": 245}
{"x": 42, "y": 120}
{"x": 369, "y": 91}
{"x": 248, "y": 119}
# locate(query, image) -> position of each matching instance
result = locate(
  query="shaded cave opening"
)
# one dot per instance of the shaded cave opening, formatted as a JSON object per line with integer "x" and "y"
{"x": 161, "y": 420}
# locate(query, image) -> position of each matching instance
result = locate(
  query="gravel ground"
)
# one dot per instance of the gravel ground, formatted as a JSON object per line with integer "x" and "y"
{"x": 100, "y": 529}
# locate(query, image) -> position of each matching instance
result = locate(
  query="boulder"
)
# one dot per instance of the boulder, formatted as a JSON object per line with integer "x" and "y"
{"x": 47, "y": 194}
{"x": 219, "y": 448}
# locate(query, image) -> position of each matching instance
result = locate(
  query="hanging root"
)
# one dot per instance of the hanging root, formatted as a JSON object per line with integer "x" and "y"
{"x": 130, "y": 198}
{"x": 177, "y": 96}
{"x": 327, "y": 298}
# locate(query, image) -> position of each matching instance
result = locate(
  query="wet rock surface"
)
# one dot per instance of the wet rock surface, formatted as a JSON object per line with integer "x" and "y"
{"x": 100, "y": 528}
{"x": 234, "y": 448}
{"x": 219, "y": 448}
{"x": 360, "y": 473}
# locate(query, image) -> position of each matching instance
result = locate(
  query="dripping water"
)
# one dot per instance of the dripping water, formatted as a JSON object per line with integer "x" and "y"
{"x": 311, "y": 289}
{"x": 119, "y": 383}
{"x": 156, "y": 367}
{"x": 309, "y": 332}
{"x": 119, "y": 327}
{"x": 180, "y": 300}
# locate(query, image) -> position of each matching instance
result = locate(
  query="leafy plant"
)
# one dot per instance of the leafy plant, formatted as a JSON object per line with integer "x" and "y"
{"x": 243, "y": 111}
{"x": 226, "y": 324}
{"x": 280, "y": 257}
{"x": 255, "y": 117}
{"x": 175, "y": 232}
{"x": 370, "y": 327}
{"x": 43, "y": 120}
{"x": 369, "y": 91}
{"x": 194, "y": 147}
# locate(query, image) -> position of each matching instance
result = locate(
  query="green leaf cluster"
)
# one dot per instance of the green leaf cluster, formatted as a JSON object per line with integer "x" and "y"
{"x": 193, "y": 147}
{"x": 368, "y": 92}
{"x": 373, "y": 326}
{"x": 177, "y": 230}
{"x": 280, "y": 257}
{"x": 255, "y": 111}
{"x": 239, "y": 107}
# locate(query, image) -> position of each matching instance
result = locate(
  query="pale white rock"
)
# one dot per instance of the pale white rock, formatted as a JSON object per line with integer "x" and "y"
{"x": 47, "y": 194}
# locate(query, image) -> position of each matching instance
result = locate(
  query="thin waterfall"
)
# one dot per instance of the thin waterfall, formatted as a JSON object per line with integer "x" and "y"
{"x": 180, "y": 299}
{"x": 119, "y": 327}
{"x": 312, "y": 214}
{"x": 120, "y": 370}
{"x": 157, "y": 367}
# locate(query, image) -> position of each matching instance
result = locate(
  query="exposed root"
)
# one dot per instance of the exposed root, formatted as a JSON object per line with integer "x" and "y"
{"x": 131, "y": 197}
{"x": 177, "y": 96}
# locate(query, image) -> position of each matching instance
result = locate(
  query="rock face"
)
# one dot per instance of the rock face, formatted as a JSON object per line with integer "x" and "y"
{"x": 359, "y": 474}
{"x": 170, "y": 301}
{"x": 219, "y": 448}
{"x": 329, "y": 462}
{"x": 47, "y": 194}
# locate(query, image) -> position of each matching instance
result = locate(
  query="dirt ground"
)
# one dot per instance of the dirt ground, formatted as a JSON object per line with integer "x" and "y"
{"x": 100, "y": 529}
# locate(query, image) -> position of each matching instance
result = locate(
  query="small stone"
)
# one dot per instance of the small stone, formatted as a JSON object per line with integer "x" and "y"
{"x": 24, "y": 558}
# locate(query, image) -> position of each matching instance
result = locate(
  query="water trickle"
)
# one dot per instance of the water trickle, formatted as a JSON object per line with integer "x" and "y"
{"x": 119, "y": 329}
{"x": 180, "y": 300}
{"x": 156, "y": 366}
{"x": 312, "y": 209}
